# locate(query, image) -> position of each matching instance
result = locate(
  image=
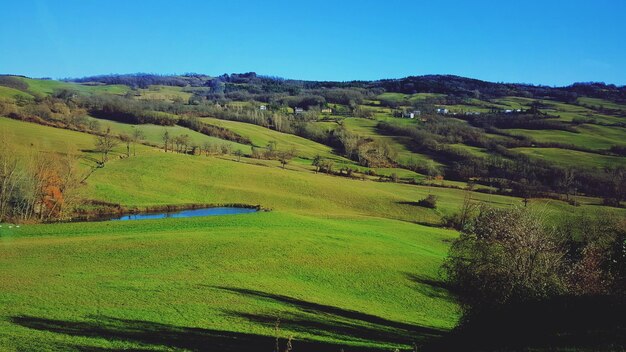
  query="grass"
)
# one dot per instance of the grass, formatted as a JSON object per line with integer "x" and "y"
{"x": 47, "y": 87}
{"x": 589, "y": 136}
{"x": 340, "y": 261}
{"x": 11, "y": 93}
{"x": 474, "y": 151}
{"x": 153, "y": 134}
{"x": 166, "y": 93}
{"x": 566, "y": 157}
{"x": 367, "y": 128}
{"x": 407, "y": 99}
{"x": 596, "y": 103}
{"x": 230, "y": 274}
{"x": 343, "y": 263}
{"x": 34, "y": 138}
{"x": 261, "y": 136}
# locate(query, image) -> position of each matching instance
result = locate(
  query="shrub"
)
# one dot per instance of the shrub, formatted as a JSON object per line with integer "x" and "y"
{"x": 505, "y": 256}
{"x": 429, "y": 202}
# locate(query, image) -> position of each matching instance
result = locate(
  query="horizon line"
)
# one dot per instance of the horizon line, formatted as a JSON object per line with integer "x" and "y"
{"x": 70, "y": 78}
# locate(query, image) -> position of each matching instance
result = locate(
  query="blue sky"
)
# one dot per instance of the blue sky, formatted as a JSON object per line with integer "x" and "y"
{"x": 540, "y": 42}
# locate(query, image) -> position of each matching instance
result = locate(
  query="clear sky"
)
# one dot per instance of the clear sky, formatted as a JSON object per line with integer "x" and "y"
{"x": 554, "y": 42}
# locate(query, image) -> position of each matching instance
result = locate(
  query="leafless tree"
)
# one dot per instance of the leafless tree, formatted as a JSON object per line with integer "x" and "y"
{"x": 137, "y": 137}
{"x": 9, "y": 175}
{"x": 127, "y": 140}
{"x": 166, "y": 139}
{"x": 105, "y": 144}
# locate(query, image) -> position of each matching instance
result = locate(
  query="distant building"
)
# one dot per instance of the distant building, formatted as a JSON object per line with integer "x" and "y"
{"x": 411, "y": 114}
{"x": 298, "y": 110}
{"x": 508, "y": 111}
{"x": 442, "y": 111}
{"x": 327, "y": 111}
{"x": 263, "y": 107}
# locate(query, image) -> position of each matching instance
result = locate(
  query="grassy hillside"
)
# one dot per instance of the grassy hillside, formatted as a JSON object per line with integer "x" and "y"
{"x": 11, "y": 93}
{"x": 153, "y": 134}
{"x": 589, "y": 136}
{"x": 310, "y": 222}
{"x": 367, "y": 128}
{"x": 573, "y": 157}
{"x": 261, "y": 136}
{"x": 235, "y": 274}
{"x": 340, "y": 262}
{"x": 46, "y": 87}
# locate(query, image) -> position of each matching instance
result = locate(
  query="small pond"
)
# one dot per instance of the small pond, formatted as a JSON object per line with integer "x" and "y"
{"x": 187, "y": 213}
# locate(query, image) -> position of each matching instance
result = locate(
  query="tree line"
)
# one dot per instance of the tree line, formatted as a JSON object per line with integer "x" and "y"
{"x": 36, "y": 186}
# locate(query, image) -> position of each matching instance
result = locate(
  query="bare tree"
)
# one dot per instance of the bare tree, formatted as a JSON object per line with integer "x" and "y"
{"x": 127, "y": 140}
{"x": 506, "y": 256}
{"x": 225, "y": 148}
{"x": 166, "y": 139}
{"x": 284, "y": 157}
{"x": 181, "y": 143}
{"x": 350, "y": 142}
{"x": 105, "y": 144}
{"x": 616, "y": 186}
{"x": 238, "y": 153}
{"x": 317, "y": 162}
{"x": 137, "y": 137}
{"x": 206, "y": 148}
{"x": 567, "y": 181}
{"x": 9, "y": 175}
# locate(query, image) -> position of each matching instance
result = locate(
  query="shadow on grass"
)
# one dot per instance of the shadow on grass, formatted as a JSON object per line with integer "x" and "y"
{"x": 564, "y": 323}
{"x": 324, "y": 320}
{"x": 165, "y": 336}
{"x": 432, "y": 288}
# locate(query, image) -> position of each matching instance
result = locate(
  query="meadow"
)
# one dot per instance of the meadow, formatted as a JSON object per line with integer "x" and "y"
{"x": 341, "y": 263}
{"x": 588, "y": 136}
{"x": 573, "y": 157}
{"x": 334, "y": 262}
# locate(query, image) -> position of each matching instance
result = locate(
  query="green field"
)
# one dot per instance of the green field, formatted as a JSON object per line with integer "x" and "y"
{"x": 596, "y": 103}
{"x": 573, "y": 157}
{"x": 348, "y": 263}
{"x": 407, "y": 99}
{"x": 339, "y": 261}
{"x": 367, "y": 128}
{"x": 235, "y": 274}
{"x": 46, "y": 87}
{"x": 261, "y": 136}
{"x": 164, "y": 93}
{"x": 154, "y": 134}
{"x": 7, "y": 93}
{"x": 191, "y": 269}
{"x": 589, "y": 136}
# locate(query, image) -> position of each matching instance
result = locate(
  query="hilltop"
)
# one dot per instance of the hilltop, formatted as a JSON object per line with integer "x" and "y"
{"x": 361, "y": 186}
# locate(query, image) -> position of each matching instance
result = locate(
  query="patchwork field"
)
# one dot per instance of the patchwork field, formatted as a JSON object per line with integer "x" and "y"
{"x": 261, "y": 137}
{"x": 346, "y": 260}
{"x": 589, "y": 136}
{"x": 573, "y": 157}
{"x": 340, "y": 263}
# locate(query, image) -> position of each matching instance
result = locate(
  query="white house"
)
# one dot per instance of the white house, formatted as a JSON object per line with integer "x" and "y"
{"x": 442, "y": 111}
{"x": 298, "y": 110}
{"x": 263, "y": 107}
{"x": 411, "y": 114}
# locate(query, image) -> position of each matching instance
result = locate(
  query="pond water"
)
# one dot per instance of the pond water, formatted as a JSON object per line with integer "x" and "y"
{"x": 188, "y": 213}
